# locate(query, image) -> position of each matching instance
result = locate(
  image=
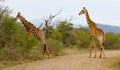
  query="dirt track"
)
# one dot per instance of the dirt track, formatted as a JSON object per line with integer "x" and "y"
{"x": 69, "y": 62}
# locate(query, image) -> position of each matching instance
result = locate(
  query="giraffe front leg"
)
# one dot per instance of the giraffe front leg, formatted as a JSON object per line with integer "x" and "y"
{"x": 91, "y": 49}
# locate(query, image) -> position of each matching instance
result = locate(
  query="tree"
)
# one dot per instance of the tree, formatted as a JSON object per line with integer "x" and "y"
{"x": 65, "y": 28}
{"x": 48, "y": 20}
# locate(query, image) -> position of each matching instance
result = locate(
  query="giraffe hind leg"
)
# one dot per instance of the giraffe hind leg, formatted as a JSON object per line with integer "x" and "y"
{"x": 46, "y": 50}
{"x": 101, "y": 49}
{"x": 102, "y": 53}
{"x": 94, "y": 49}
{"x": 42, "y": 52}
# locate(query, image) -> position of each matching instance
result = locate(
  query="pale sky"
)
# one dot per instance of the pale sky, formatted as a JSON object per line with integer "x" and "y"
{"x": 100, "y": 11}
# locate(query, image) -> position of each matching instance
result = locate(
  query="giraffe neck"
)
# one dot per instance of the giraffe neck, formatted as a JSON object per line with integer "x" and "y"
{"x": 89, "y": 21}
{"x": 87, "y": 17}
{"x": 27, "y": 24}
{"x": 24, "y": 21}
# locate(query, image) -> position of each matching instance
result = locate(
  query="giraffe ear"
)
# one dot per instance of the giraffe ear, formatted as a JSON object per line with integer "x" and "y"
{"x": 83, "y": 7}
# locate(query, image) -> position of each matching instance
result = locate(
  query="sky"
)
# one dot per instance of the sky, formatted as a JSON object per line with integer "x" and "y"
{"x": 101, "y": 11}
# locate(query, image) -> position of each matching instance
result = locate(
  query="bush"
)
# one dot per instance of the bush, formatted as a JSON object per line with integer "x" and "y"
{"x": 15, "y": 43}
{"x": 112, "y": 41}
{"x": 115, "y": 64}
{"x": 55, "y": 47}
{"x": 83, "y": 37}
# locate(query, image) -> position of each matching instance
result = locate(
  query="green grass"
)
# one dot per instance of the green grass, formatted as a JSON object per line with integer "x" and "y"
{"x": 115, "y": 64}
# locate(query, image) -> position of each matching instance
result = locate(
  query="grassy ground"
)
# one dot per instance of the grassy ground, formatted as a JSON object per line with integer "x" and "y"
{"x": 114, "y": 64}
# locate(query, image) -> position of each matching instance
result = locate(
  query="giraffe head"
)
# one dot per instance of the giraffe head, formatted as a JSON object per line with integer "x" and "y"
{"x": 82, "y": 11}
{"x": 18, "y": 15}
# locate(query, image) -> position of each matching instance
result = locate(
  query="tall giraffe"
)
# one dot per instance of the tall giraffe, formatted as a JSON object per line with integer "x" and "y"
{"x": 95, "y": 33}
{"x": 39, "y": 34}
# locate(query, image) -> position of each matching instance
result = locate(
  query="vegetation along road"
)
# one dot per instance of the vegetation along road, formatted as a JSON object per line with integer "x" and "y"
{"x": 69, "y": 62}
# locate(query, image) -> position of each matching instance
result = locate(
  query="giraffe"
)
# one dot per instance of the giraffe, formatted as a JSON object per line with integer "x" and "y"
{"x": 37, "y": 33}
{"x": 95, "y": 34}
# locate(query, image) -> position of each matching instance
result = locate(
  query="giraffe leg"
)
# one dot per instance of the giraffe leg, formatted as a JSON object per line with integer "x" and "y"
{"x": 103, "y": 51}
{"x": 94, "y": 45}
{"x": 101, "y": 47}
{"x": 91, "y": 49}
{"x": 42, "y": 51}
{"x": 48, "y": 53}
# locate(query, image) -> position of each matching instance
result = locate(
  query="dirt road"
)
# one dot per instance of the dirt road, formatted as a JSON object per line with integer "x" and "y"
{"x": 69, "y": 62}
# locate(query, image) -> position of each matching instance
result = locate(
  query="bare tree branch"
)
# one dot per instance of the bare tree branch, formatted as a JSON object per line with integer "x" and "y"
{"x": 49, "y": 19}
{"x": 40, "y": 26}
{"x": 57, "y": 13}
{"x": 70, "y": 19}
{"x": 48, "y": 22}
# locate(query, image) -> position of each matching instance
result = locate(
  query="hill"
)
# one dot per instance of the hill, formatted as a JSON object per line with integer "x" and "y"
{"x": 109, "y": 28}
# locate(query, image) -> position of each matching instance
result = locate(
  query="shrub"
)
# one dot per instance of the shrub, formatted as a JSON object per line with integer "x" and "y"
{"x": 115, "y": 64}
{"x": 112, "y": 41}
{"x": 15, "y": 43}
{"x": 55, "y": 47}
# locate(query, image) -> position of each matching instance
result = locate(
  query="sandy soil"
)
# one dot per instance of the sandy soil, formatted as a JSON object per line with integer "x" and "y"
{"x": 69, "y": 62}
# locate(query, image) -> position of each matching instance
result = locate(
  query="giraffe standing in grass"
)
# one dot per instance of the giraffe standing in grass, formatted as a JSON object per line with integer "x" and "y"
{"x": 95, "y": 33}
{"x": 39, "y": 34}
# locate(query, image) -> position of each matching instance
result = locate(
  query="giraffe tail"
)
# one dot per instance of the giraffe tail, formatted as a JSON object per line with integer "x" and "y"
{"x": 103, "y": 43}
{"x": 44, "y": 48}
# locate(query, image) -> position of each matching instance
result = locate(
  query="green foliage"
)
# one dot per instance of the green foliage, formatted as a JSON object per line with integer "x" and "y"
{"x": 115, "y": 65}
{"x": 15, "y": 42}
{"x": 65, "y": 28}
{"x": 55, "y": 47}
{"x": 112, "y": 41}
{"x": 57, "y": 35}
{"x": 83, "y": 37}
{"x": 48, "y": 31}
